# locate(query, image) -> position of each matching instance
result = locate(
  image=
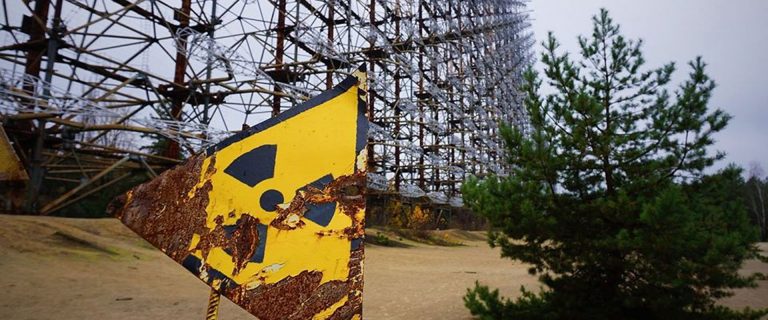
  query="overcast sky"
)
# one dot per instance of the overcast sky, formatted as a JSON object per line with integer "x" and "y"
{"x": 731, "y": 36}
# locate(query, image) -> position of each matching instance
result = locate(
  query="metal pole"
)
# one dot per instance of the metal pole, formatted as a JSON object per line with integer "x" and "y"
{"x": 34, "y": 61}
{"x": 331, "y": 25}
{"x": 279, "y": 53}
{"x": 174, "y": 150}
{"x": 421, "y": 103}
{"x": 213, "y": 306}
{"x": 371, "y": 91}
{"x": 209, "y": 63}
{"x": 398, "y": 117}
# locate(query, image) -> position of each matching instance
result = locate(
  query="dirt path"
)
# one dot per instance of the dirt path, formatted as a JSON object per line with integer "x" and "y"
{"x": 56, "y": 268}
{"x": 428, "y": 282}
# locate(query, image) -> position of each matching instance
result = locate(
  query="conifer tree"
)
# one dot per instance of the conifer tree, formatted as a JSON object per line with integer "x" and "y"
{"x": 608, "y": 199}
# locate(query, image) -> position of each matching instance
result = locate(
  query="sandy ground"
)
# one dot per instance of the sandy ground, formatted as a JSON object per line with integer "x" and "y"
{"x": 55, "y": 268}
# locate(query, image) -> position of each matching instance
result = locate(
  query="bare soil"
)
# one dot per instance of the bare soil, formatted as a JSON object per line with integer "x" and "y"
{"x": 56, "y": 268}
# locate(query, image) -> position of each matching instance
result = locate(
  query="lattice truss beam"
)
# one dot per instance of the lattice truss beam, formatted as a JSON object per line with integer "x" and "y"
{"x": 95, "y": 77}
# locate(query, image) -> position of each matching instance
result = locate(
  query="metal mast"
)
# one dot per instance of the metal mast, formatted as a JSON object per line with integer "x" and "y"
{"x": 87, "y": 85}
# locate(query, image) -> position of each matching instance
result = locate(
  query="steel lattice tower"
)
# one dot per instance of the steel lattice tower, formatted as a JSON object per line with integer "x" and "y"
{"x": 84, "y": 83}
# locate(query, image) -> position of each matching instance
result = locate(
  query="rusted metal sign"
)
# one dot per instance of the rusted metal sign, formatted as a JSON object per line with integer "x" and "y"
{"x": 272, "y": 217}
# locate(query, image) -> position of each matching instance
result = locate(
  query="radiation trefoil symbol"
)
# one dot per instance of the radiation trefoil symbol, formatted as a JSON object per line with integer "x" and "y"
{"x": 272, "y": 217}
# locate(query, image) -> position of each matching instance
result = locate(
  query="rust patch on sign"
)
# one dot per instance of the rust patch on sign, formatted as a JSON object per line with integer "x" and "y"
{"x": 211, "y": 239}
{"x": 302, "y": 296}
{"x": 354, "y": 304}
{"x": 279, "y": 300}
{"x": 245, "y": 239}
{"x": 161, "y": 210}
{"x": 348, "y": 191}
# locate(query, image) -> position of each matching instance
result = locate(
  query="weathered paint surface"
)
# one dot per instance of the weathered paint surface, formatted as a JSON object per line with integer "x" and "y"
{"x": 272, "y": 218}
{"x": 10, "y": 167}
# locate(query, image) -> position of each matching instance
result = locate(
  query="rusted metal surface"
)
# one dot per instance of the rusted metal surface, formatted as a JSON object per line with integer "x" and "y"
{"x": 251, "y": 218}
{"x": 161, "y": 212}
{"x": 347, "y": 191}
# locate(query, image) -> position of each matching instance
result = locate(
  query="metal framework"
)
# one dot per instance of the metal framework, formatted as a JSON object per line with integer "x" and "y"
{"x": 84, "y": 85}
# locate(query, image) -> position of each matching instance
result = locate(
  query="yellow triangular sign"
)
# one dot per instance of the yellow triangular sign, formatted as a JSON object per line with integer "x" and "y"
{"x": 271, "y": 218}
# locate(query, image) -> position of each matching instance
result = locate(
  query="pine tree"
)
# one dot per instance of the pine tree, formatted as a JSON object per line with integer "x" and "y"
{"x": 608, "y": 199}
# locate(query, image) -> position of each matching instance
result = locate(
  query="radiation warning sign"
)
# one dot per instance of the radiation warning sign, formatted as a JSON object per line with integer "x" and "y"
{"x": 272, "y": 217}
